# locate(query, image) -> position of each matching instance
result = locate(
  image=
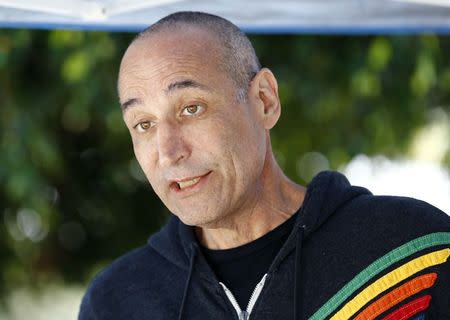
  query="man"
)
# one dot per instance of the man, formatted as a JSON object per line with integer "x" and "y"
{"x": 245, "y": 241}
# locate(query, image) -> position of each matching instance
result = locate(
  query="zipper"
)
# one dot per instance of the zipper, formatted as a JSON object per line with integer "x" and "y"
{"x": 245, "y": 314}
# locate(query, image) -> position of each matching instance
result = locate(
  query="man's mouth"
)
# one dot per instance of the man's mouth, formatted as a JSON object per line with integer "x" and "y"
{"x": 185, "y": 184}
{"x": 188, "y": 183}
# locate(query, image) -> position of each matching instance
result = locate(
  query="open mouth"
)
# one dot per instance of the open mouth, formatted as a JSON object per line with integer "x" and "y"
{"x": 190, "y": 184}
{"x": 186, "y": 184}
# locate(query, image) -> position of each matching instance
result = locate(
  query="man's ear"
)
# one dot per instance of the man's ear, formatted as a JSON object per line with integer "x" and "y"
{"x": 263, "y": 93}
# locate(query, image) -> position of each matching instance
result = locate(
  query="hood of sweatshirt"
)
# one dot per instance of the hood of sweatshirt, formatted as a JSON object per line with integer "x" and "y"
{"x": 325, "y": 194}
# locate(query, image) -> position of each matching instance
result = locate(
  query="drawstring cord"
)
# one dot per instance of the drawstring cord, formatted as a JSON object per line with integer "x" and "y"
{"x": 193, "y": 253}
{"x": 298, "y": 258}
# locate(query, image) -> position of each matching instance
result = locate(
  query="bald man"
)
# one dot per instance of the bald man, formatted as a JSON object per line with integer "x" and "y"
{"x": 245, "y": 241}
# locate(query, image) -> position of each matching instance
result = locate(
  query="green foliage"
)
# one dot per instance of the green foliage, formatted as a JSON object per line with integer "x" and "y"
{"x": 72, "y": 197}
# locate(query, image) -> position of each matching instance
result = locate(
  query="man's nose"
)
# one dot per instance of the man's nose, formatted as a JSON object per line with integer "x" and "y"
{"x": 171, "y": 144}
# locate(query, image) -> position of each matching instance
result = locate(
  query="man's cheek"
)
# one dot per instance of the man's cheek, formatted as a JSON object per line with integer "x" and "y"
{"x": 142, "y": 151}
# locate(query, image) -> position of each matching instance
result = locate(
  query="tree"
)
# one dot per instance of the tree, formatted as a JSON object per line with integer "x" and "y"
{"x": 73, "y": 197}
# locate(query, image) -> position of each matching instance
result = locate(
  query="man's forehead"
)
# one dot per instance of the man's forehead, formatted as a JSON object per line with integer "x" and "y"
{"x": 165, "y": 50}
{"x": 169, "y": 65}
{"x": 164, "y": 60}
{"x": 168, "y": 74}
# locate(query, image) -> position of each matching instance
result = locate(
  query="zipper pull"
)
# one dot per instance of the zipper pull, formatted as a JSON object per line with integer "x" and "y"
{"x": 243, "y": 315}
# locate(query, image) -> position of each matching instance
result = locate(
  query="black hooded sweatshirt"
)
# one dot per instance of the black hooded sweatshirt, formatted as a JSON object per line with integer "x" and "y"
{"x": 351, "y": 255}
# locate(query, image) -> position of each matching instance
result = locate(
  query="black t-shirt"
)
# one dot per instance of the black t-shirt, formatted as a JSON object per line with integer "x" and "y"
{"x": 241, "y": 268}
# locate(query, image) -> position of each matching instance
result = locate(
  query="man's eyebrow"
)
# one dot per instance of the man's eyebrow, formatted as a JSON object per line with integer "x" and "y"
{"x": 183, "y": 84}
{"x": 129, "y": 103}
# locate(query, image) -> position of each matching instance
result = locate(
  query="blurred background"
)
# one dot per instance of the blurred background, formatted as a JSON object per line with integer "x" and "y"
{"x": 73, "y": 198}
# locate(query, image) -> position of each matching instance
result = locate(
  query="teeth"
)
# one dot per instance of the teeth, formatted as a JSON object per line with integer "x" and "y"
{"x": 185, "y": 184}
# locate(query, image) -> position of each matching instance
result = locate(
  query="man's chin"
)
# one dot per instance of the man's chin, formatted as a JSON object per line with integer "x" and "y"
{"x": 196, "y": 221}
{"x": 190, "y": 220}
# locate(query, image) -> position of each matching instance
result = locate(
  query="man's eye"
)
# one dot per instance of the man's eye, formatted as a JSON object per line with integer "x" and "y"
{"x": 143, "y": 126}
{"x": 192, "y": 110}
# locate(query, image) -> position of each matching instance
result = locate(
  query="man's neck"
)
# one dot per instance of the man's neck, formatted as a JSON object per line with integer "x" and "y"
{"x": 276, "y": 199}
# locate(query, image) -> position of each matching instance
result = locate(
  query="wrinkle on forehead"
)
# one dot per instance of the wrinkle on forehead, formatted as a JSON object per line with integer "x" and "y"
{"x": 168, "y": 66}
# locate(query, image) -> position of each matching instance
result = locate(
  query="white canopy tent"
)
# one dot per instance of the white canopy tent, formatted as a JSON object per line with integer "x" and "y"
{"x": 259, "y": 16}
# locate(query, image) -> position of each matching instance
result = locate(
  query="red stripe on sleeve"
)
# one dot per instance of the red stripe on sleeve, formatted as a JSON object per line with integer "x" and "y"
{"x": 410, "y": 309}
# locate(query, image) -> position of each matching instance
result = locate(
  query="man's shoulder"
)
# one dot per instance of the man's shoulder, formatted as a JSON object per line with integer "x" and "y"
{"x": 124, "y": 269}
{"x": 398, "y": 211}
{"x": 136, "y": 271}
{"x": 142, "y": 262}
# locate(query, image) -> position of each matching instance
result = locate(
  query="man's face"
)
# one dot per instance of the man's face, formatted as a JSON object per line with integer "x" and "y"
{"x": 186, "y": 123}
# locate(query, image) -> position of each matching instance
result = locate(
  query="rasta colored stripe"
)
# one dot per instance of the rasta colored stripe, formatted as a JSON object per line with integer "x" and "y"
{"x": 387, "y": 281}
{"x": 410, "y": 309}
{"x": 409, "y": 248}
{"x": 396, "y": 296}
